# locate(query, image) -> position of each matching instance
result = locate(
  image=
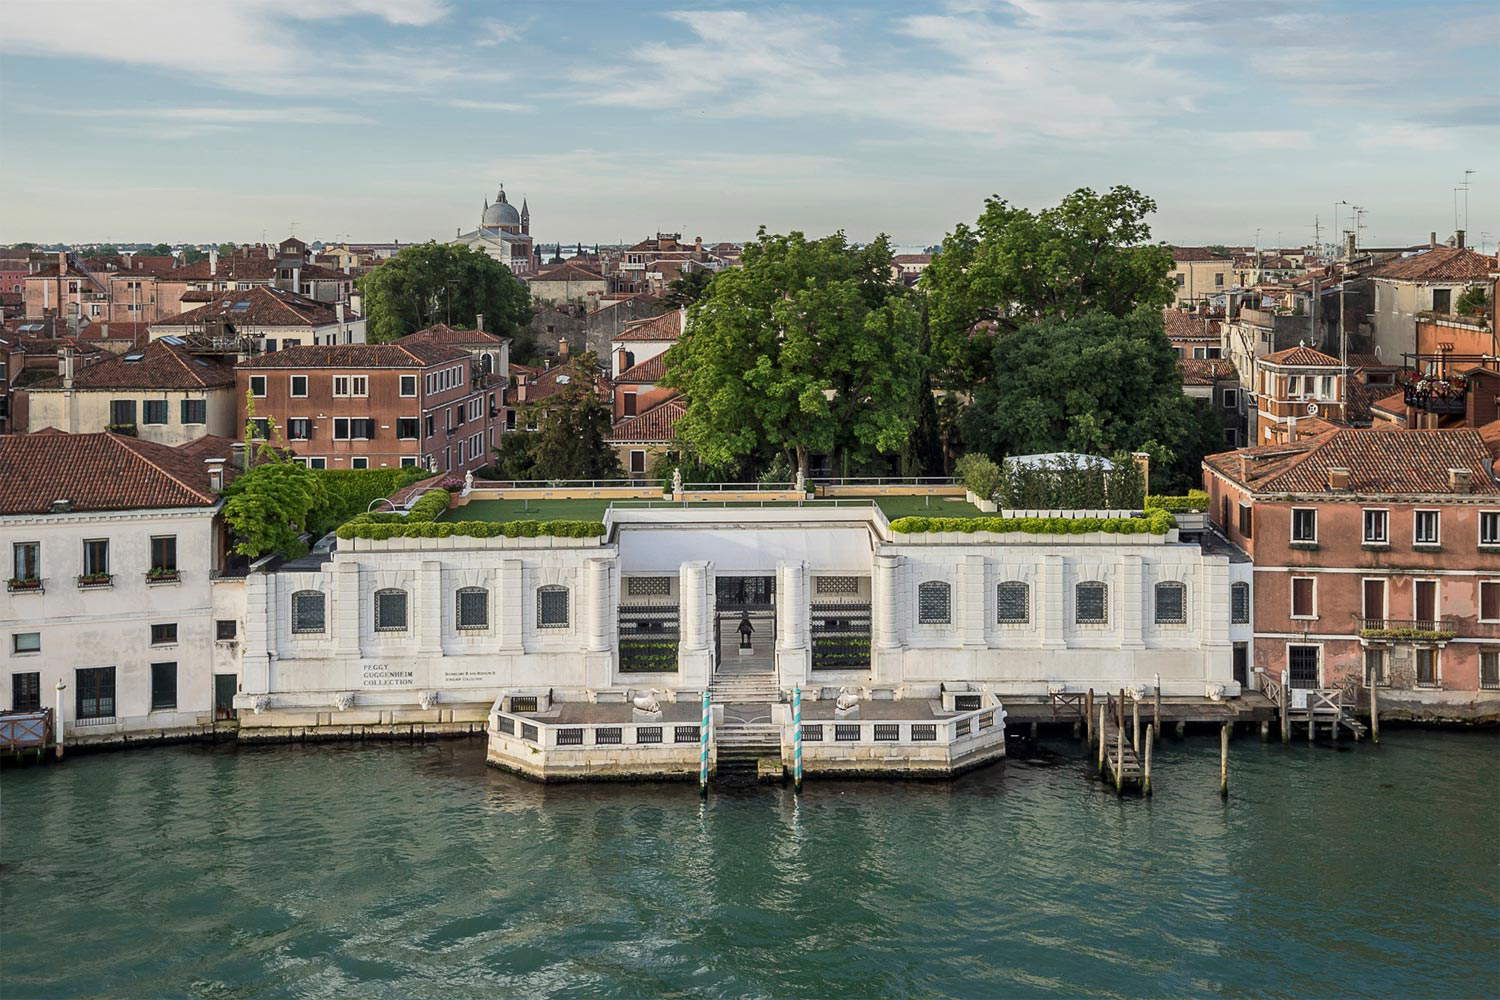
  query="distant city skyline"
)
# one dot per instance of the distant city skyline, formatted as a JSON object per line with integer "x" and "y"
{"x": 383, "y": 119}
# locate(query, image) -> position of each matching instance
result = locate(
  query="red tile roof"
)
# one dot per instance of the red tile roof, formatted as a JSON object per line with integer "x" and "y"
{"x": 667, "y": 326}
{"x": 1394, "y": 404}
{"x": 1198, "y": 253}
{"x": 565, "y": 271}
{"x": 261, "y": 305}
{"x": 656, "y": 426}
{"x": 446, "y": 336}
{"x": 1438, "y": 264}
{"x": 102, "y": 472}
{"x": 399, "y": 355}
{"x": 1301, "y": 356}
{"x": 1394, "y": 461}
{"x": 1206, "y": 371}
{"x": 648, "y": 372}
{"x": 160, "y": 365}
{"x": 1189, "y": 326}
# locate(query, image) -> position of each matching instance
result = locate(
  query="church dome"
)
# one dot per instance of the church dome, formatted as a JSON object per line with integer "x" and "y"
{"x": 501, "y": 215}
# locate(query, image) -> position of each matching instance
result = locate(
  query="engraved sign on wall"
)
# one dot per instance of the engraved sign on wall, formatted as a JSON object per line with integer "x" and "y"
{"x": 383, "y": 675}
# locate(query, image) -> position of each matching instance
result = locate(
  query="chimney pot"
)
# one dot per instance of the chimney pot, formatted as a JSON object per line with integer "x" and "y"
{"x": 215, "y": 474}
{"x": 1458, "y": 239}
{"x": 1338, "y": 478}
{"x": 1461, "y": 480}
{"x": 479, "y": 322}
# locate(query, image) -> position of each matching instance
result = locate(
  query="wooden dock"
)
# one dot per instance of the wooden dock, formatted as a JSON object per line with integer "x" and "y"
{"x": 1331, "y": 709}
{"x": 22, "y": 732}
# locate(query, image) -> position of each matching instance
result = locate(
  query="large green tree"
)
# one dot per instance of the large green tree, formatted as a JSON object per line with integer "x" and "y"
{"x": 1015, "y": 266}
{"x": 1096, "y": 383}
{"x": 440, "y": 283}
{"x": 684, "y": 291}
{"x": 808, "y": 347}
{"x": 572, "y": 427}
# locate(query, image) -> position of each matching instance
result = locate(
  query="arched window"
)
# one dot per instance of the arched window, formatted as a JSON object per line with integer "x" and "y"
{"x": 1171, "y": 603}
{"x": 1239, "y": 603}
{"x": 552, "y": 606}
{"x": 1012, "y": 603}
{"x": 307, "y": 612}
{"x": 390, "y": 610}
{"x": 934, "y": 603}
{"x": 1091, "y": 602}
{"x": 473, "y": 608}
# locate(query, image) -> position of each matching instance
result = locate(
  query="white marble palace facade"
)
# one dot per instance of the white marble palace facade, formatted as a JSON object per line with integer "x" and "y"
{"x": 434, "y": 629}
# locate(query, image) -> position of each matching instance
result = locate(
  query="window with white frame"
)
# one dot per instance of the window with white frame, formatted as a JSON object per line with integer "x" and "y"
{"x": 298, "y": 387}
{"x": 552, "y": 606}
{"x": 1303, "y": 663}
{"x": 1425, "y": 527}
{"x": 473, "y": 608}
{"x": 1091, "y": 603}
{"x": 1426, "y": 658}
{"x": 1304, "y": 597}
{"x": 1171, "y": 603}
{"x": 1304, "y": 524}
{"x": 257, "y": 385}
{"x": 934, "y": 603}
{"x": 308, "y": 612}
{"x": 1377, "y": 526}
{"x": 390, "y": 610}
{"x": 1239, "y": 603}
{"x": 1012, "y": 603}
{"x": 408, "y": 385}
{"x": 1489, "y": 600}
{"x": 1489, "y": 527}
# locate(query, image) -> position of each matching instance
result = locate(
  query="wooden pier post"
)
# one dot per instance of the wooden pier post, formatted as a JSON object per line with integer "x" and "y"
{"x": 1181, "y": 730}
{"x": 57, "y": 722}
{"x": 1120, "y": 761}
{"x": 1265, "y": 731}
{"x": 1374, "y": 714}
{"x": 1146, "y": 778}
{"x": 1034, "y": 728}
{"x": 1088, "y": 714}
{"x": 1286, "y": 719}
{"x": 1135, "y": 724}
{"x": 1101, "y": 737}
{"x": 1224, "y": 761}
{"x": 1077, "y": 730}
{"x": 1156, "y": 706}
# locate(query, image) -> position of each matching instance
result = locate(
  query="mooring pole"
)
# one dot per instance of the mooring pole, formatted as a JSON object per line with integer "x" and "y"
{"x": 797, "y": 737}
{"x": 1374, "y": 713}
{"x": 1101, "y": 737}
{"x": 1088, "y": 714}
{"x": 1150, "y": 739}
{"x": 1120, "y": 761}
{"x": 1156, "y": 705}
{"x": 1135, "y": 723}
{"x": 703, "y": 745}
{"x": 57, "y": 722}
{"x": 1224, "y": 761}
{"x": 1286, "y": 699}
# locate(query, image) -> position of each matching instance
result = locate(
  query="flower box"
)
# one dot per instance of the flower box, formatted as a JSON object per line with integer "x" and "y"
{"x": 95, "y": 580}
{"x": 23, "y": 584}
{"x": 159, "y": 574}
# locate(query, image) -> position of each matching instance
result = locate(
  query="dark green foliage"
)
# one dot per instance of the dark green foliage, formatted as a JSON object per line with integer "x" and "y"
{"x": 686, "y": 290}
{"x": 1070, "y": 484}
{"x": 438, "y": 283}
{"x": 347, "y": 492}
{"x": 1192, "y": 501}
{"x": 1475, "y": 301}
{"x": 656, "y": 655}
{"x": 422, "y": 522}
{"x": 1155, "y": 522}
{"x": 270, "y": 507}
{"x": 572, "y": 426}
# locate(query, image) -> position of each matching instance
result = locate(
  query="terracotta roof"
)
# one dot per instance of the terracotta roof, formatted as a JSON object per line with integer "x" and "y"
{"x": 1400, "y": 461}
{"x": 250, "y": 264}
{"x": 1206, "y": 371}
{"x": 399, "y": 355}
{"x": 648, "y": 372}
{"x": 565, "y": 271}
{"x": 1394, "y": 404}
{"x": 1301, "y": 356}
{"x": 1362, "y": 396}
{"x": 160, "y": 365}
{"x": 1438, "y": 264}
{"x": 102, "y": 472}
{"x": 656, "y": 426}
{"x": 446, "y": 336}
{"x": 1189, "y": 326}
{"x": 1198, "y": 253}
{"x": 667, "y": 326}
{"x": 912, "y": 258}
{"x": 261, "y": 305}
{"x": 546, "y": 383}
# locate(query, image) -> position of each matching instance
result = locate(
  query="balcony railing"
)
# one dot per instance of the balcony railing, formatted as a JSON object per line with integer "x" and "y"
{"x": 1408, "y": 629}
{"x": 1441, "y": 396}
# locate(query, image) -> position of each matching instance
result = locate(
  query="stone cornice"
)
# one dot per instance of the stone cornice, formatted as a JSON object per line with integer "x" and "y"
{"x": 94, "y": 516}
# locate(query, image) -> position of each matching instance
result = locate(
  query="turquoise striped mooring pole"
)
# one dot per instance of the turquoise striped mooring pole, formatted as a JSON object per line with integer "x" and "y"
{"x": 797, "y": 737}
{"x": 703, "y": 746}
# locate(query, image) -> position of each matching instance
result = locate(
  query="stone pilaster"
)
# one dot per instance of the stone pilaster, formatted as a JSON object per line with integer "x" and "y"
{"x": 599, "y": 624}
{"x": 695, "y": 654}
{"x": 971, "y": 600}
{"x": 429, "y": 608}
{"x": 793, "y": 625}
{"x": 885, "y": 590}
{"x": 1052, "y": 606}
{"x": 511, "y": 608}
{"x": 260, "y": 632}
{"x": 343, "y": 610}
{"x": 1130, "y": 571}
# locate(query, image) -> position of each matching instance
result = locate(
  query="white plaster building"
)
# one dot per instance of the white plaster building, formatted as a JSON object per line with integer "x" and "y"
{"x": 117, "y": 586}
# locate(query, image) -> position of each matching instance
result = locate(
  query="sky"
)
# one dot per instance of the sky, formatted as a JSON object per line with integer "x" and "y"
{"x": 373, "y": 120}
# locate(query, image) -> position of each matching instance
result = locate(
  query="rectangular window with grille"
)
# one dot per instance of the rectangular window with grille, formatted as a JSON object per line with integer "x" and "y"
{"x": 226, "y": 629}
{"x": 934, "y": 606}
{"x": 965, "y": 702}
{"x": 684, "y": 734}
{"x": 1171, "y": 604}
{"x": 523, "y": 703}
{"x": 1012, "y": 604}
{"x": 1302, "y": 665}
{"x": 609, "y": 736}
{"x": 307, "y": 612}
{"x": 886, "y": 732}
{"x": 648, "y": 586}
{"x": 390, "y": 611}
{"x": 26, "y": 692}
{"x": 94, "y": 694}
{"x": 1374, "y": 666}
{"x": 648, "y": 734}
{"x": 1489, "y": 668}
{"x": 163, "y": 686}
{"x": 812, "y": 734}
{"x": 923, "y": 732}
{"x": 836, "y": 584}
{"x": 1239, "y": 603}
{"x": 507, "y": 725}
{"x": 1093, "y": 604}
{"x": 552, "y": 607}
{"x": 528, "y": 732}
{"x": 846, "y": 734}
{"x": 570, "y": 737}
{"x": 473, "y": 608}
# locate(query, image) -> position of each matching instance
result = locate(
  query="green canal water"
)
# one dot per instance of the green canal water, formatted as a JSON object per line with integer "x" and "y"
{"x": 395, "y": 870}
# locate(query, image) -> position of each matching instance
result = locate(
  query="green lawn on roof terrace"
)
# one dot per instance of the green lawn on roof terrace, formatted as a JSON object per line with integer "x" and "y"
{"x": 593, "y": 510}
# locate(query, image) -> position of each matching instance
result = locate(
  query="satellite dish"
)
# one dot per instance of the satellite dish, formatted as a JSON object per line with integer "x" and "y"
{"x": 1312, "y": 409}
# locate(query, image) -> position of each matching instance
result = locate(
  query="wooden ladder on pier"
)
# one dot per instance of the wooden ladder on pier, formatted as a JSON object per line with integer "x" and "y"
{"x": 1122, "y": 761}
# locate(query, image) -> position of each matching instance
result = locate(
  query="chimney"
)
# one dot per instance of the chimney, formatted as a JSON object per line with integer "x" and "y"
{"x": 1351, "y": 243}
{"x": 1338, "y": 478}
{"x": 338, "y": 311}
{"x": 213, "y": 261}
{"x": 65, "y": 363}
{"x": 1461, "y": 480}
{"x": 215, "y": 474}
{"x": 1432, "y": 238}
{"x": 239, "y": 455}
{"x": 479, "y": 322}
{"x": 1458, "y": 239}
{"x": 620, "y": 364}
{"x": 562, "y": 347}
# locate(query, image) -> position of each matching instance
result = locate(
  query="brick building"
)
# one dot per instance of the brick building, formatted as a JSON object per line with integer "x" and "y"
{"x": 360, "y": 406}
{"x": 1377, "y": 554}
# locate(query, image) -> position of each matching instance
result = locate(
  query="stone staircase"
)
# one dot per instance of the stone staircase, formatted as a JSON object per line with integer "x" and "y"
{"x": 741, "y": 745}
{"x": 737, "y": 687}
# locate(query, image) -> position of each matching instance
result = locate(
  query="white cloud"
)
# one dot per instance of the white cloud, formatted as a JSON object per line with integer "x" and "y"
{"x": 223, "y": 116}
{"x": 468, "y": 104}
{"x": 493, "y": 32}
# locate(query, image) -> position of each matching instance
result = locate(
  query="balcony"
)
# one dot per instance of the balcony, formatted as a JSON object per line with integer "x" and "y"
{"x": 1437, "y": 631}
{"x": 1442, "y": 396}
{"x": 24, "y": 585}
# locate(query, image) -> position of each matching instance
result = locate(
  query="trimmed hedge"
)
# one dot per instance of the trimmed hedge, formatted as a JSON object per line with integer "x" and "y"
{"x": 1193, "y": 501}
{"x": 1155, "y": 522}
{"x": 422, "y": 522}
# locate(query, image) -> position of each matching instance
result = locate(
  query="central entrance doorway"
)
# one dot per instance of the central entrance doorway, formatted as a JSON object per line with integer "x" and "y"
{"x": 740, "y": 601}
